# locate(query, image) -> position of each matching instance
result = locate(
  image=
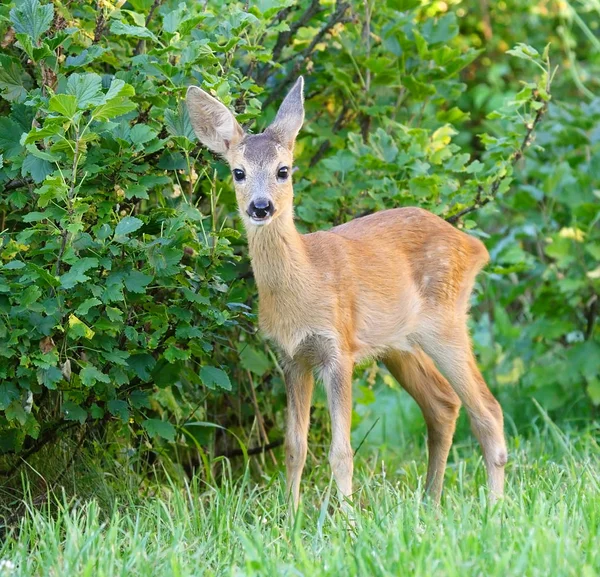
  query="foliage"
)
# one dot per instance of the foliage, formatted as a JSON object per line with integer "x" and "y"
{"x": 239, "y": 528}
{"x": 537, "y": 333}
{"x": 112, "y": 282}
{"x": 123, "y": 300}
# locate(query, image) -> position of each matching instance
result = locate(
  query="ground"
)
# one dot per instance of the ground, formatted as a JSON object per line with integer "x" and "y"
{"x": 547, "y": 525}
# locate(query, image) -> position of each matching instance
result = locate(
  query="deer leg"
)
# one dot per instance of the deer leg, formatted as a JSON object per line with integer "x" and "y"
{"x": 440, "y": 406}
{"x": 299, "y": 385}
{"x": 454, "y": 358}
{"x": 337, "y": 378}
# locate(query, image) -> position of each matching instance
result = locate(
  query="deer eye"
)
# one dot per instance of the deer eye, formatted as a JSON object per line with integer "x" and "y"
{"x": 239, "y": 174}
{"x": 283, "y": 173}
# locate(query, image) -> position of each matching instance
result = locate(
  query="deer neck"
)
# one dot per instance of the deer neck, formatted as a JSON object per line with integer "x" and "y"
{"x": 279, "y": 258}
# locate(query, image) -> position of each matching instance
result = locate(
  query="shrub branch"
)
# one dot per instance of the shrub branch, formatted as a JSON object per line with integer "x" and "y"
{"x": 517, "y": 155}
{"x": 339, "y": 16}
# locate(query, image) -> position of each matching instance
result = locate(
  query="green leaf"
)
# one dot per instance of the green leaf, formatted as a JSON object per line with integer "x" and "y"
{"x": 116, "y": 356}
{"x": 14, "y": 265}
{"x": 157, "y": 428}
{"x": 31, "y": 18}
{"x": 172, "y": 19}
{"x": 8, "y": 394}
{"x": 49, "y": 377}
{"x": 593, "y": 390}
{"x": 119, "y": 409}
{"x": 254, "y": 361}
{"x": 128, "y": 225}
{"x": 49, "y": 156}
{"x": 85, "y": 56}
{"x": 121, "y": 29}
{"x": 64, "y": 104}
{"x": 195, "y": 297}
{"x": 112, "y": 108}
{"x": 118, "y": 88}
{"x": 137, "y": 281}
{"x": 30, "y": 295}
{"x": 15, "y": 412}
{"x": 173, "y": 354}
{"x": 76, "y": 273}
{"x": 52, "y": 126}
{"x": 343, "y": 162}
{"x": 86, "y": 305}
{"x": 214, "y": 377}
{"x": 90, "y": 375}
{"x": 73, "y": 412}
{"x": 37, "y": 168}
{"x": 164, "y": 259}
{"x": 178, "y": 123}
{"x": 139, "y": 399}
{"x": 96, "y": 411}
{"x": 142, "y": 364}
{"x": 172, "y": 161}
{"x": 474, "y": 167}
{"x": 86, "y": 88}
{"x": 12, "y": 78}
{"x": 141, "y": 133}
{"x": 78, "y": 329}
{"x": 525, "y": 52}
{"x": 10, "y": 138}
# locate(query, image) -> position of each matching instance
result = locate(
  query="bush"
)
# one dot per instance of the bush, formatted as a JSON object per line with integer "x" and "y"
{"x": 123, "y": 299}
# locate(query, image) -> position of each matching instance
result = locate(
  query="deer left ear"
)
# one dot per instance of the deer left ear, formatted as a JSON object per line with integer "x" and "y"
{"x": 290, "y": 116}
{"x": 214, "y": 124}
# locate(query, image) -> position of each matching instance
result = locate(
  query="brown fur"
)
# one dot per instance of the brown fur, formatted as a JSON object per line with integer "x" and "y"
{"x": 394, "y": 285}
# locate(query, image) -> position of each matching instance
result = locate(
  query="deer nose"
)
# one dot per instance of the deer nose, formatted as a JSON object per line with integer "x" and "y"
{"x": 261, "y": 208}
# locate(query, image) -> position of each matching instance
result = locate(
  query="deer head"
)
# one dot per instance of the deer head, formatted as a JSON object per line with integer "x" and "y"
{"x": 261, "y": 164}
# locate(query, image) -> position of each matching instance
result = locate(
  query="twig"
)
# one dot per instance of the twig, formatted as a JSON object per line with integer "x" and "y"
{"x": 338, "y": 16}
{"x": 63, "y": 245}
{"x": 100, "y": 24}
{"x": 284, "y": 37}
{"x": 486, "y": 21}
{"x": 17, "y": 183}
{"x": 366, "y": 435}
{"x": 518, "y": 154}
{"x": 65, "y": 232}
{"x": 326, "y": 145}
{"x": 259, "y": 419}
{"x": 71, "y": 460}
{"x": 141, "y": 45}
{"x": 49, "y": 435}
{"x": 253, "y": 451}
{"x": 592, "y": 313}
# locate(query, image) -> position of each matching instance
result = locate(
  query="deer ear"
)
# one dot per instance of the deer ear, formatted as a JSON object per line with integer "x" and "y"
{"x": 214, "y": 124}
{"x": 290, "y": 116}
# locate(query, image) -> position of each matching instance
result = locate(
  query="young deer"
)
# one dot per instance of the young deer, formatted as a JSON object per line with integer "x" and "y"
{"x": 394, "y": 285}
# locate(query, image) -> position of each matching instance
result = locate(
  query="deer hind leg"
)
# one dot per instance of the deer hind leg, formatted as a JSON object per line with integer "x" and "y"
{"x": 451, "y": 351}
{"x": 438, "y": 402}
{"x": 299, "y": 385}
{"x": 337, "y": 378}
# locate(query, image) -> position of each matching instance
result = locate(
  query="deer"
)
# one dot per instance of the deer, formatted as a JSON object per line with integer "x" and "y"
{"x": 393, "y": 286}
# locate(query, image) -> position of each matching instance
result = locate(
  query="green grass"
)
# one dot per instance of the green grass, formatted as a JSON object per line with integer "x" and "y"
{"x": 548, "y": 524}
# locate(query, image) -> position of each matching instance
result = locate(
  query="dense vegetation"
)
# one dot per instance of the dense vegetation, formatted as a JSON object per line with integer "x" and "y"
{"x": 127, "y": 304}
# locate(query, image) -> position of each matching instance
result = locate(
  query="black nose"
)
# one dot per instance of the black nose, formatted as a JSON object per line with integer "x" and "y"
{"x": 261, "y": 208}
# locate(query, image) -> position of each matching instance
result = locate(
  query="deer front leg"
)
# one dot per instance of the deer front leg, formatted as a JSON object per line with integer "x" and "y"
{"x": 299, "y": 383}
{"x": 337, "y": 378}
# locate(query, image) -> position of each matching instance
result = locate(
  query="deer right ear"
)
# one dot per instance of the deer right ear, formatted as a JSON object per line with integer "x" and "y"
{"x": 214, "y": 124}
{"x": 290, "y": 116}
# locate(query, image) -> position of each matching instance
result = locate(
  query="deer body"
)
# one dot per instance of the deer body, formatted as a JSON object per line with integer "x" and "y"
{"x": 393, "y": 285}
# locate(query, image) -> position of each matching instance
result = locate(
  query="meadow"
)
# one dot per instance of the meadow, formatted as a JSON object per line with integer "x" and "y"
{"x": 547, "y": 524}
